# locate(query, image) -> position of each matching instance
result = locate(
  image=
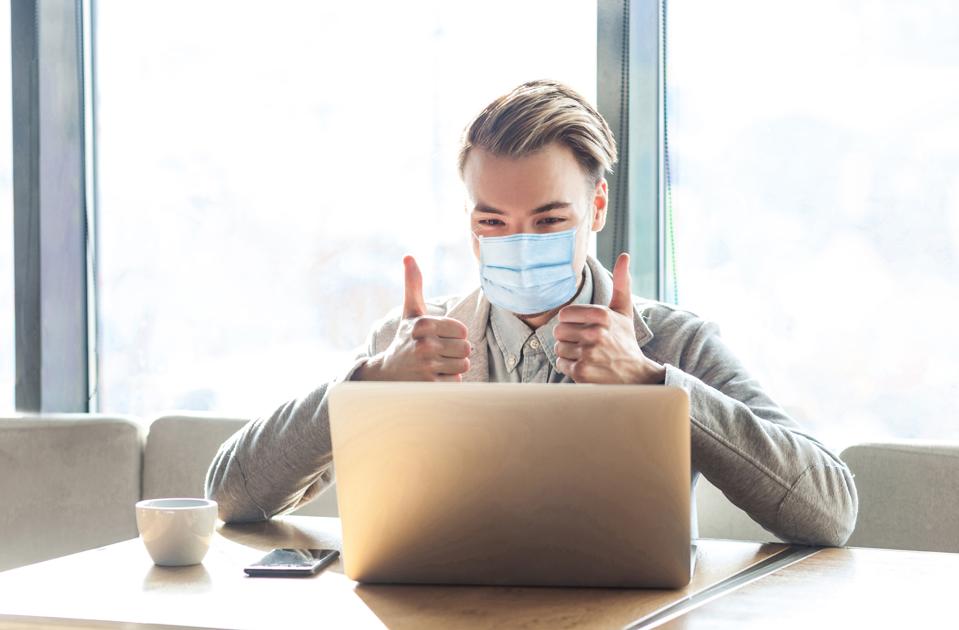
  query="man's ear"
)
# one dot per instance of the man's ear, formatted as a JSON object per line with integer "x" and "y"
{"x": 600, "y": 205}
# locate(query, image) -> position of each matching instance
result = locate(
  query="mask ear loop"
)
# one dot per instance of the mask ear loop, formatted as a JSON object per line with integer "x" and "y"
{"x": 471, "y": 227}
{"x": 476, "y": 237}
{"x": 586, "y": 220}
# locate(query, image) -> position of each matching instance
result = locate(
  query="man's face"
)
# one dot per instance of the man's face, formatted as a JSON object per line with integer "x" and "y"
{"x": 546, "y": 191}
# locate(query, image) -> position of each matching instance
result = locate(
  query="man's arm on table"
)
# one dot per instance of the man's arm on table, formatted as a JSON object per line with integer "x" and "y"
{"x": 747, "y": 446}
{"x": 276, "y": 462}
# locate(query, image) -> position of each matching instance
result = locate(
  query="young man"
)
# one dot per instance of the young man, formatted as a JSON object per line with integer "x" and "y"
{"x": 533, "y": 163}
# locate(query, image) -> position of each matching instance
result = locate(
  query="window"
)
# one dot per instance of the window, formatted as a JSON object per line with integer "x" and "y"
{"x": 263, "y": 171}
{"x": 7, "y": 354}
{"x": 814, "y": 150}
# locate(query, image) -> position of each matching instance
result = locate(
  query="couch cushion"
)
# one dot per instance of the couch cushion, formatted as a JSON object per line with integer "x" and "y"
{"x": 67, "y": 483}
{"x": 179, "y": 450}
{"x": 908, "y": 495}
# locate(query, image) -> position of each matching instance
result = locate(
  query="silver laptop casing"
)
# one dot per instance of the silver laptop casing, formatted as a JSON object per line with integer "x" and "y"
{"x": 513, "y": 484}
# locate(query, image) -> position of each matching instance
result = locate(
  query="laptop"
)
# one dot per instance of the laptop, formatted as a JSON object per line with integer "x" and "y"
{"x": 513, "y": 484}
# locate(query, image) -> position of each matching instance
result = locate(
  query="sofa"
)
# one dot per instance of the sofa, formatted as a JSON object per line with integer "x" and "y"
{"x": 68, "y": 482}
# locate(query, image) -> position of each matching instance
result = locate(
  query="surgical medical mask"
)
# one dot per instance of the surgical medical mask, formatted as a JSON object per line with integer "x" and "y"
{"x": 528, "y": 273}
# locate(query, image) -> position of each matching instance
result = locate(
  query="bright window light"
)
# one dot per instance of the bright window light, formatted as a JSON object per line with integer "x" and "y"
{"x": 815, "y": 161}
{"x": 263, "y": 168}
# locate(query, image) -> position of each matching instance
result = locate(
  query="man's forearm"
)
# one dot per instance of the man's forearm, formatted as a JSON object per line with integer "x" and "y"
{"x": 277, "y": 462}
{"x": 785, "y": 480}
{"x": 268, "y": 466}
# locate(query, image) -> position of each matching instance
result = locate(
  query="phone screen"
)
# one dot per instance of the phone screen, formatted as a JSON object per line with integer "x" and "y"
{"x": 291, "y": 562}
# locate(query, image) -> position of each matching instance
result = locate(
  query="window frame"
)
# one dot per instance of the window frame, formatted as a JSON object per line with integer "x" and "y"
{"x": 50, "y": 208}
{"x": 55, "y": 246}
{"x": 631, "y": 96}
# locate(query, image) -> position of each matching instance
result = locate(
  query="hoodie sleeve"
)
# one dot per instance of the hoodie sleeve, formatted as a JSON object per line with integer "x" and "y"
{"x": 276, "y": 463}
{"x": 748, "y": 447}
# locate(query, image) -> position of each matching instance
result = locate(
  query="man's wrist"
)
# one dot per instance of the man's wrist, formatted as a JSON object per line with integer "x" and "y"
{"x": 651, "y": 373}
{"x": 659, "y": 373}
{"x": 369, "y": 370}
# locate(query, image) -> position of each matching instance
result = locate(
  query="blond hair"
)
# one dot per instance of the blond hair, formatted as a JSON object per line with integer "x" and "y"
{"x": 536, "y": 114}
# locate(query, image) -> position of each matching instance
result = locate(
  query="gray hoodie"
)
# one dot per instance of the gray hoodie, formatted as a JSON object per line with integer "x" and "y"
{"x": 742, "y": 441}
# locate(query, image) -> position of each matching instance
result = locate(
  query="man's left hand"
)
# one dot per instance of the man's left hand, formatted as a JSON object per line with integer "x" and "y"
{"x": 597, "y": 344}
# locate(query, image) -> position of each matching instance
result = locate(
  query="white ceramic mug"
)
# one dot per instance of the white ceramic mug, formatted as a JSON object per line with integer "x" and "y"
{"x": 176, "y": 532}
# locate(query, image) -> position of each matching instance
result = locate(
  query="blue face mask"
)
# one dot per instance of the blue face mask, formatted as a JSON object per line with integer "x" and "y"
{"x": 528, "y": 273}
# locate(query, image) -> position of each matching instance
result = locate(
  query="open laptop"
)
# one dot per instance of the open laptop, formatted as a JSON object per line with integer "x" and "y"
{"x": 513, "y": 484}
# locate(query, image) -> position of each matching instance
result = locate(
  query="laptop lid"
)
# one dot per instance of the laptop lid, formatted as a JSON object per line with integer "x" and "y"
{"x": 519, "y": 484}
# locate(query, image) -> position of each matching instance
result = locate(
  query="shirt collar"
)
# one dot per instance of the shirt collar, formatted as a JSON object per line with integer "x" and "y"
{"x": 511, "y": 333}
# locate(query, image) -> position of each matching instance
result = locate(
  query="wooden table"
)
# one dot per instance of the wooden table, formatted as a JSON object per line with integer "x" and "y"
{"x": 119, "y": 587}
{"x": 842, "y": 588}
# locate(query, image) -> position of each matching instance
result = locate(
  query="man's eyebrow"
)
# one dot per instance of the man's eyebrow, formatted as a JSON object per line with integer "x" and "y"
{"x": 546, "y": 207}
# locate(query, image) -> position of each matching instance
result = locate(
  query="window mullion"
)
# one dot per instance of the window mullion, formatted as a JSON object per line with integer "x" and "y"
{"x": 50, "y": 264}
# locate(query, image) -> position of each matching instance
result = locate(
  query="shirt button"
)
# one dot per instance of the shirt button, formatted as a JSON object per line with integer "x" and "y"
{"x": 534, "y": 343}
{"x": 510, "y": 361}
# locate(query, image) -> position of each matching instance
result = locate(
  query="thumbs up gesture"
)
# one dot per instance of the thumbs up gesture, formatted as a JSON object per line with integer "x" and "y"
{"x": 425, "y": 348}
{"x": 597, "y": 344}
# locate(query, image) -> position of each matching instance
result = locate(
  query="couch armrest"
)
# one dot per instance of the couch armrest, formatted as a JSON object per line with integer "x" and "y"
{"x": 908, "y": 495}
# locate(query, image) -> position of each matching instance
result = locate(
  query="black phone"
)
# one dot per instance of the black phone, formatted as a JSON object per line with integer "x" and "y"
{"x": 292, "y": 562}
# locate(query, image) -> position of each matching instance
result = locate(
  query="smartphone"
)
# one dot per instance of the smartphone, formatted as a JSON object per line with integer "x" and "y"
{"x": 292, "y": 562}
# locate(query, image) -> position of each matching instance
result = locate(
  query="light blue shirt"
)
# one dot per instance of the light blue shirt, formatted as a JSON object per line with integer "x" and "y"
{"x": 518, "y": 354}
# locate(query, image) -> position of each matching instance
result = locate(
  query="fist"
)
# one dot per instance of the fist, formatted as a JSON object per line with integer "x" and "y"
{"x": 425, "y": 348}
{"x": 597, "y": 344}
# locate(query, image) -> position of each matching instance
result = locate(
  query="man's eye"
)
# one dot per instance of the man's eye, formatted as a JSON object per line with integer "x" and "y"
{"x": 490, "y": 222}
{"x": 552, "y": 220}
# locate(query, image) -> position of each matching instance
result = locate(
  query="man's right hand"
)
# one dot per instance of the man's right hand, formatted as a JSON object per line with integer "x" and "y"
{"x": 425, "y": 348}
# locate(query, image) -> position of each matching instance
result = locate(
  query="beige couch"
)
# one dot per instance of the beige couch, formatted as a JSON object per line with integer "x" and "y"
{"x": 69, "y": 483}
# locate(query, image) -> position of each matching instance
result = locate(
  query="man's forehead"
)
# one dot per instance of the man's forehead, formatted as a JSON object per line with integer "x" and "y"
{"x": 522, "y": 184}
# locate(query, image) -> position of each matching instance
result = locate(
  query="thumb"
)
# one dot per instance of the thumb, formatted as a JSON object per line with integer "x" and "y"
{"x": 622, "y": 300}
{"x": 413, "y": 304}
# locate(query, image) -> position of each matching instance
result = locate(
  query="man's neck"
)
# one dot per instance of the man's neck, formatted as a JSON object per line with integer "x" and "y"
{"x": 538, "y": 319}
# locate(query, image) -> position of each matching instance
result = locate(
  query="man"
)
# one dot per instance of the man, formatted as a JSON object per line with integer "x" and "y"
{"x": 533, "y": 163}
